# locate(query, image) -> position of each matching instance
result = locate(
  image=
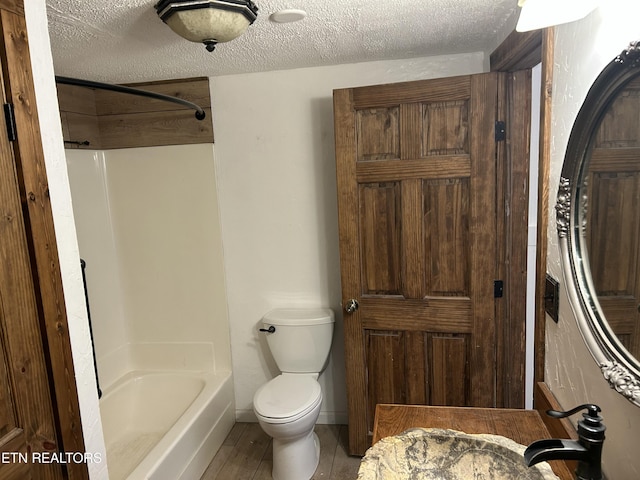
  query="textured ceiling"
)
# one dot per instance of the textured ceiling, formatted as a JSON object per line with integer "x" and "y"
{"x": 125, "y": 41}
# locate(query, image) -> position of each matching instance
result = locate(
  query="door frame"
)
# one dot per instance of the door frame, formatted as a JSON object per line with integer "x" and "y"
{"x": 513, "y": 205}
{"x": 525, "y": 50}
{"x": 40, "y": 233}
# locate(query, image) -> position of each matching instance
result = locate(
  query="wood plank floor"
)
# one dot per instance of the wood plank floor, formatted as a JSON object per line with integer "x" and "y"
{"x": 246, "y": 455}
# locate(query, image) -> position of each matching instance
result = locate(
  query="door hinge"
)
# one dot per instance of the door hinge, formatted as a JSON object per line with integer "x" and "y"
{"x": 10, "y": 119}
{"x": 498, "y": 288}
{"x": 501, "y": 131}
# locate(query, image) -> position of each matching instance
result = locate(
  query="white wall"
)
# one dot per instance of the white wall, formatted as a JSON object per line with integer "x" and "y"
{"x": 275, "y": 165}
{"x": 51, "y": 130}
{"x": 582, "y": 49}
{"x": 148, "y": 228}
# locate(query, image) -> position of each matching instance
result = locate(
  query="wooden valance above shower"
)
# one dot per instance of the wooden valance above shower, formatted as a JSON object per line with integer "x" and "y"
{"x": 108, "y": 120}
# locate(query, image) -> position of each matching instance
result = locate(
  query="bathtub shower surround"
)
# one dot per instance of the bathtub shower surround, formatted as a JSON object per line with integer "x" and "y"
{"x": 148, "y": 229}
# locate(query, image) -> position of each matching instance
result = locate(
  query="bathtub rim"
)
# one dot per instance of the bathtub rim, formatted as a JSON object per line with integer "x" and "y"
{"x": 217, "y": 389}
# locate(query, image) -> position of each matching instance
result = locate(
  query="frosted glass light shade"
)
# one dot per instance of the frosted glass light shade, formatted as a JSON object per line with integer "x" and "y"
{"x": 536, "y": 14}
{"x": 208, "y": 21}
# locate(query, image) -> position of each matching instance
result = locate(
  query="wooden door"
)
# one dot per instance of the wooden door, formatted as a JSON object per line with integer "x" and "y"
{"x": 39, "y": 413}
{"x": 613, "y": 223}
{"x": 27, "y": 426}
{"x": 416, "y": 174}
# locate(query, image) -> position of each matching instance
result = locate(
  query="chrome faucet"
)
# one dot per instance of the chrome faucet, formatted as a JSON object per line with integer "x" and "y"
{"x": 587, "y": 450}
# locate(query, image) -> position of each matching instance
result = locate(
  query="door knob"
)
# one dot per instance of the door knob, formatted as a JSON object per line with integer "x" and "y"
{"x": 351, "y": 305}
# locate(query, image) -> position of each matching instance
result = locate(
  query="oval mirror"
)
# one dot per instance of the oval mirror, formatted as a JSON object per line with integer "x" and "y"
{"x": 598, "y": 220}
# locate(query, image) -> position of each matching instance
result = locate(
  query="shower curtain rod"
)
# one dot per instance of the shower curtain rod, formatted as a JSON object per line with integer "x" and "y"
{"x": 200, "y": 114}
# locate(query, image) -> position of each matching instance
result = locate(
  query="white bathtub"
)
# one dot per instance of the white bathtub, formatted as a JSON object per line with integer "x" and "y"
{"x": 165, "y": 425}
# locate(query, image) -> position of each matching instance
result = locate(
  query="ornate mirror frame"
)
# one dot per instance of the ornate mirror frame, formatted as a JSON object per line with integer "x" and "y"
{"x": 618, "y": 366}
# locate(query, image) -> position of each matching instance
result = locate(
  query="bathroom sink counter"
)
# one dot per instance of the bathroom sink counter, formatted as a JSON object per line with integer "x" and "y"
{"x": 522, "y": 426}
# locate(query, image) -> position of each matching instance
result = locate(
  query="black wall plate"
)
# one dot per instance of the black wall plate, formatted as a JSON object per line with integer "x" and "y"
{"x": 551, "y": 300}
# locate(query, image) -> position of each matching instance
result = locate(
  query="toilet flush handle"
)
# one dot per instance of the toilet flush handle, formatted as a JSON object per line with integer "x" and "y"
{"x": 351, "y": 305}
{"x": 271, "y": 329}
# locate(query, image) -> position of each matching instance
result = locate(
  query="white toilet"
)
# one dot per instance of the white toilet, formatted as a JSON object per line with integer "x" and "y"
{"x": 288, "y": 406}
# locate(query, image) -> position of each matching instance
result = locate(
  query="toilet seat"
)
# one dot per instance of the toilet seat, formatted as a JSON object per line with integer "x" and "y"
{"x": 287, "y": 398}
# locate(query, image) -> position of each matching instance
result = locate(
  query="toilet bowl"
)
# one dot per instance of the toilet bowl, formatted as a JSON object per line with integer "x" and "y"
{"x": 287, "y": 407}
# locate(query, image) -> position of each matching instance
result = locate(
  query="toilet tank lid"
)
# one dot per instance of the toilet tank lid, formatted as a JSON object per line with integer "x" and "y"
{"x": 294, "y": 316}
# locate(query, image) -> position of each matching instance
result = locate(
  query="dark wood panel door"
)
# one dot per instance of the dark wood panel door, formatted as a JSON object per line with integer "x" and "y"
{"x": 612, "y": 222}
{"x": 27, "y": 426}
{"x": 39, "y": 413}
{"x": 417, "y": 190}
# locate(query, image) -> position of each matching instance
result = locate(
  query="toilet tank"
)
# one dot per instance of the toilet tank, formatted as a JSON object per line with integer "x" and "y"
{"x": 302, "y": 338}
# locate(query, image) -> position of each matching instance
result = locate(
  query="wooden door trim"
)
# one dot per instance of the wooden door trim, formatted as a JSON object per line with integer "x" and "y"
{"x": 514, "y": 107}
{"x": 544, "y": 168}
{"x": 484, "y": 217}
{"x": 36, "y": 205}
{"x": 15, "y": 6}
{"x": 28, "y": 423}
{"x": 517, "y": 192}
{"x": 525, "y": 50}
{"x": 501, "y": 267}
{"x": 345, "y": 139}
{"x": 519, "y": 51}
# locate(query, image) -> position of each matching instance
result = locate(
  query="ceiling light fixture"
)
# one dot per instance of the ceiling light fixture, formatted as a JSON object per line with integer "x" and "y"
{"x": 208, "y": 21}
{"x": 536, "y": 14}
